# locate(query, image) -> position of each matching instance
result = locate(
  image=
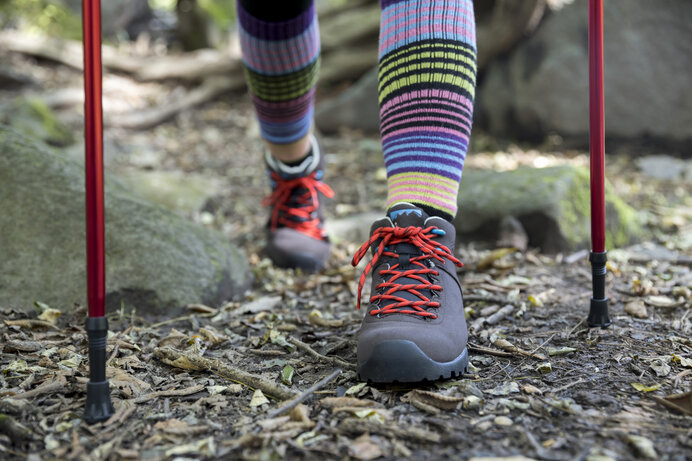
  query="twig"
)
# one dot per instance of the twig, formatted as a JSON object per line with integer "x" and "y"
{"x": 307, "y": 393}
{"x": 170, "y": 393}
{"x": 14, "y": 429}
{"x": 541, "y": 452}
{"x": 48, "y": 388}
{"x": 543, "y": 344}
{"x": 486, "y": 350}
{"x": 147, "y": 118}
{"x": 574, "y": 328}
{"x": 179, "y": 319}
{"x": 195, "y": 361}
{"x": 499, "y": 315}
{"x": 490, "y": 299}
{"x": 567, "y": 386}
{"x": 322, "y": 358}
{"x": 359, "y": 426}
{"x": 509, "y": 347}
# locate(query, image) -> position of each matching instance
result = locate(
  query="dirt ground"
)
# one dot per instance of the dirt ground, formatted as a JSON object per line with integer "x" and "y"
{"x": 209, "y": 383}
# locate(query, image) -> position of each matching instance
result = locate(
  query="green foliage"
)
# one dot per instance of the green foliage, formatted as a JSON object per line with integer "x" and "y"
{"x": 48, "y": 17}
{"x": 221, "y": 11}
{"x": 167, "y": 5}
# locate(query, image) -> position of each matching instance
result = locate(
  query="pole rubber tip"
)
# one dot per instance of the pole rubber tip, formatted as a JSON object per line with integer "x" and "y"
{"x": 598, "y": 314}
{"x": 98, "y": 402}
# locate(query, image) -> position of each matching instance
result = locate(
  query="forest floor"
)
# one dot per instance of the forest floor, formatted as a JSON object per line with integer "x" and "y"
{"x": 210, "y": 383}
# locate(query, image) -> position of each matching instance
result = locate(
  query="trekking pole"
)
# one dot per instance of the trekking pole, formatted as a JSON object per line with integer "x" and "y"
{"x": 98, "y": 401}
{"x": 598, "y": 313}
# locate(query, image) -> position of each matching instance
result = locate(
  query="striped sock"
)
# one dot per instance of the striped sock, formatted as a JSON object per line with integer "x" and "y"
{"x": 281, "y": 57}
{"x": 427, "y": 77}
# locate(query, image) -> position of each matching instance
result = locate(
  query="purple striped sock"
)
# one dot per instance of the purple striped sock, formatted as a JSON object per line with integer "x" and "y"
{"x": 427, "y": 76}
{"x": 281, "y": 62}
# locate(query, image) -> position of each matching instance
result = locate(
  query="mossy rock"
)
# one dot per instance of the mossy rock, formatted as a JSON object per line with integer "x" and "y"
{"x": 34, "y": 119}
{"x": 552, "y": 204}
{"x": 156, "y": 261}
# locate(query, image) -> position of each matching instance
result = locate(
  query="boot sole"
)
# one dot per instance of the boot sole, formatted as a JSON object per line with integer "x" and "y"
{"x": 402, "y": 361}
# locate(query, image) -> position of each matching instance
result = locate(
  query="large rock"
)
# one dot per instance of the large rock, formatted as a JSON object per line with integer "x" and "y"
{"x": 156, "y": 261}
{"x": 356, "y": 108}
{"x": 543, "y": 86}
{"x": 34, "y": 119}
{"x": 552, "y": 205}
{"x": 119, "y": 15}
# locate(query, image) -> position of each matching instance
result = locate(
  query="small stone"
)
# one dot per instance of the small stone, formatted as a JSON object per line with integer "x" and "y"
{"x": 544, "y": 368}
{"x": 470, "y": 402}
{"x": 504, "y": 389}
{"x": 503, "y": 421}
{"x": 531, "y": 389}
{"x": 644, "y": 446}
{"x": 660, "y": 367}
{"x": 636, "y": 309}
{"x": 484, "y": 426}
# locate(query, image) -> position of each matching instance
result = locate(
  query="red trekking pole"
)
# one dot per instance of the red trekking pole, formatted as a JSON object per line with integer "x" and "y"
{"x": 98, "y": 401}
{"x": 598, "y": 313}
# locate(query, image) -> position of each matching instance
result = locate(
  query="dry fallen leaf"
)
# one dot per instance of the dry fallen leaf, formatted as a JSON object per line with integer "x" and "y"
{"x": 50, "y": 315}
{"x": 677, "y": 402}
{"x": 636, "y": 308}
{"x": 364, "y": 448}
{"x": 661, "y": 301}
{"x": 211, "y": 336}
{"x": 495, "y": 255}
{"x": 335, "y": 402}
{"x": 442, "y": 402}
{"x": 315, "y": 317}
{"x": 258, "y": 399}
{"x": 644, "y": 388}
{"x": 177, "y": 427}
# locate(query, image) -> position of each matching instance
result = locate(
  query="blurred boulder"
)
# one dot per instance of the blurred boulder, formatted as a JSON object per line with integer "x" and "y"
{"x": 356, "y": 108}
{"x": 31, "y": 117}
{"x": 552, "y": 206}
{"x": 11, "y": 79}
{"x": 501, "y": 24}
{"x": 156, "y": 261}
{"x": 542, "y": 87}
{"x": 117, "y": 16}
{"x": 665, "y": 167}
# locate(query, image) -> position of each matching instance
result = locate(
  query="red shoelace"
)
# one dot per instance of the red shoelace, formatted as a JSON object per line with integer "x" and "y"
{"x": 297, "y": 212}
{"x": 422, "y": 238}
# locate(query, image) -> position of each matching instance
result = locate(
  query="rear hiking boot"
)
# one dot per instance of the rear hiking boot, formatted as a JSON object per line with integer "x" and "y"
{"x": 415, "y": 328}
{"x": 296, "y": 237}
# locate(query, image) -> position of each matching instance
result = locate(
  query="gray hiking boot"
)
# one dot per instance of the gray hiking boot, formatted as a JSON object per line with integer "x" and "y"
{"x": 415, "y": 328}
{"x": 295, "y": 232}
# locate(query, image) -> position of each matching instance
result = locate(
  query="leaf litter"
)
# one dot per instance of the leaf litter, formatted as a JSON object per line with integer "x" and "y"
{"x": 203, "y": 385}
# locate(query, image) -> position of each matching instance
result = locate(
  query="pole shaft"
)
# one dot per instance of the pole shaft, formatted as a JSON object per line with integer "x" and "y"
{"x": 93, "y": 134}
{"x": 596, "y": 126}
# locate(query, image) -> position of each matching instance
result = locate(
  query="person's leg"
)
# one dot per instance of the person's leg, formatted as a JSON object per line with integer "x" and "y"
{"x": 280, "y": 49}
{"x": 427, "y": 77}
{"x": 415, "y": 327}
{"x": 280, "y": 46}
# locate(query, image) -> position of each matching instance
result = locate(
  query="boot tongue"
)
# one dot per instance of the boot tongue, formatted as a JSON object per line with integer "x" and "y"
{"x": 313, "y": 161}
{"x": 407, "y": 215}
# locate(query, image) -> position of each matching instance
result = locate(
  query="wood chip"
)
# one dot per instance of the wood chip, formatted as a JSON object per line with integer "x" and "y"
{"x": 171, "y": 393}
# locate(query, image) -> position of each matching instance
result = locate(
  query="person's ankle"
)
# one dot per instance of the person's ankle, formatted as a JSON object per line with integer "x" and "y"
{"x": 431, "y": 211}
{"x": 291, "y": 153}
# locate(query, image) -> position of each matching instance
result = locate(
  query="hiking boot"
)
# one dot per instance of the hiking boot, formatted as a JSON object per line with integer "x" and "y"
{"x": 295, "y": 232}
{"x": 415, "y": 327}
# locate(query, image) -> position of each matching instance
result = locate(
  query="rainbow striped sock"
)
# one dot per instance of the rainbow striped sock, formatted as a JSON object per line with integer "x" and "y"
{"x": 427, "y": 78}
{"x": 281, "y": 58}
